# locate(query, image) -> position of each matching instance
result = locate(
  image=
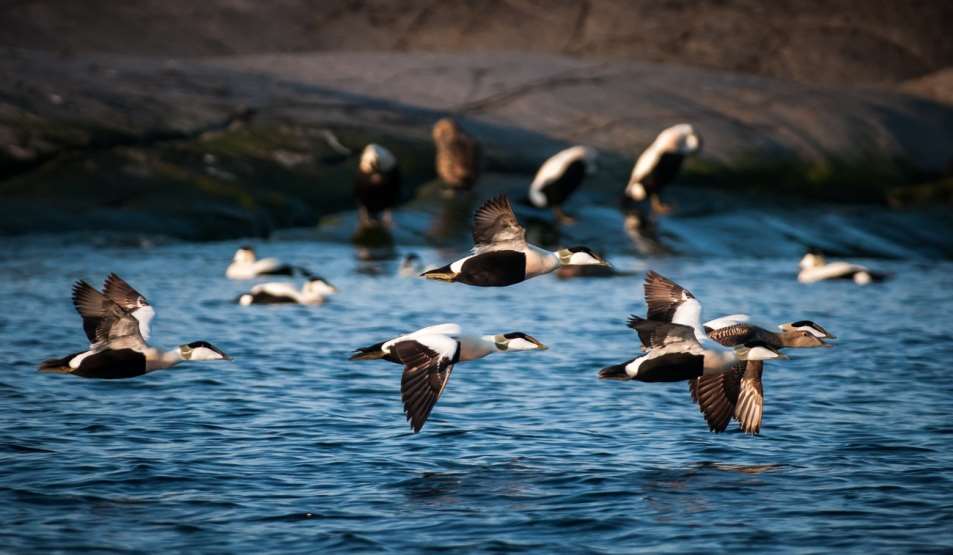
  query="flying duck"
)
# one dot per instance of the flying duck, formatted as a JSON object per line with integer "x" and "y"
{"x": 501, "y": 256}
{"x": 814, "y": 268}
{"x": 674, "y": 353}
{"x": 314, "y": 291}
{"x": 739, "y": 393}
{"x": 559, "y": 177}
{"x": 245, "y": 265}
{"x": 428, "y": 356}
{"x": 458, "y": 155}
{"x": 660, "y": 163}
{"x": 118, "y": 348}
{"x": 377, "y": 184}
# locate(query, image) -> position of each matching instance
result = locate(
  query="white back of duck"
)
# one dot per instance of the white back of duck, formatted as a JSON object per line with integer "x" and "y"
{"x": 555, "y": 167}
{"x": 677, "y": 139}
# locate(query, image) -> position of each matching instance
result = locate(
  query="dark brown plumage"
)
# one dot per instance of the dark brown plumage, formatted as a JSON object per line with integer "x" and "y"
{"x": 458, "y": 155}
{"x": 426, "y": 374}
{"x": 663, "y": 296}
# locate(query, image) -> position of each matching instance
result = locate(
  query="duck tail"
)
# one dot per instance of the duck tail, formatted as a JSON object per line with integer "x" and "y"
{"x": 441, "y": 274}
{"x": 373, "y": 352}
{"x": 614, "y": 372}
{"x": 59, "y": 365}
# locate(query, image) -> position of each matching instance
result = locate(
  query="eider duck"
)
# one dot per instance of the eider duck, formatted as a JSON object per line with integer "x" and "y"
{"x": 245, "y": 265}
{"x": 814, "y": 268}
{"x": 559, "y": 177}
{"x": 739, "y": 393}
{"x": 674, "y": 353}
{"x": 377, "y": 184}
{"x": 428, "y": 356}
{"x": 501, "y": 256}
{"x": 314, "y": 291}
{"x": 458, "y": 155}
{"x": 118, "y": 348}
{"x": 660, "y": 163}
{"x": 677, "y": 344}
{"x": 411, "y": 265}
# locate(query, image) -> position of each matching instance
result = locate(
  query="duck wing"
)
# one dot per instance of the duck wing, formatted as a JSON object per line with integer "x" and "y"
{"x": 428, "y": 363}
{"x": 750, "y": 407}
{"x": 717, "y": 396}
{"x": 670, "y": 302}
{"x": 495, "y": 227}
{"x": 120, "y": 292}
{"x": 95, "y": 309}
{"x": 653, "y": 333}
{"x": 735, "y": 334}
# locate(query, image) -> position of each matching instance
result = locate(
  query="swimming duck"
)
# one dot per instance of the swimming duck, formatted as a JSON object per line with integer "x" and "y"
{"x": 559, "y": 177}
{"x": 314, "y": 291}
{"x": 428, "y": 356}
{"x": 245, "y": 265}
{"x": 814, "y": 268}
{"x": 458, "y": 155}
{"x": 739, "y": 393}
{"x": 660, "y": 163}
{"x": 501, "y": 256}
{"x": 377, "y": 184}
{"x": 119, "y": 350}
{"x": 411, "y": 265}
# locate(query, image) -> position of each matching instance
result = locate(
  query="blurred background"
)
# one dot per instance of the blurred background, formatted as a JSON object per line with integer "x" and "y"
{"x": 223, "y": 119}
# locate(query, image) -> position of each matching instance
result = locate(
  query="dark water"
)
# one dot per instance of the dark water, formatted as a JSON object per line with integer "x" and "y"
{"x": 290, "y": 448}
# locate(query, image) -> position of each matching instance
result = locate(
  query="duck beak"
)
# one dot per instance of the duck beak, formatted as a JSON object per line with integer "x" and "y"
{"x": 539, "y": 346}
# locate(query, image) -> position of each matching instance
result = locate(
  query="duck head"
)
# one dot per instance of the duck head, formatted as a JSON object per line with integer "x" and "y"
{"x": 244, "y": 255}
{"x": 517, "y": 341}
{"x": 376, "y": 159}
{"x": 580, "y": 256}
{"x": 758, "y": 351}
{"x": 317, "y": 285}
{"x": 808, "y": 326}
{"x": 202, "y": 350}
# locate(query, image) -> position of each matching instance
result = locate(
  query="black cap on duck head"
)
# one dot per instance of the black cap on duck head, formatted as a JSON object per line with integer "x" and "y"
{"x": 517, "y": 341}
{"x": 244, "y": 254}
{"x": 202, "y": 350}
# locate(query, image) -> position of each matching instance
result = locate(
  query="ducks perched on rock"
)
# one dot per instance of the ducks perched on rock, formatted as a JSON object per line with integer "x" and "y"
{"x": 246, "y": 265}
{"x": 738, "y": 393}
{"x": 314, "y": 291}
{"x": 559, "y": 177}
{"x": 660, "y": 163}
{"x": 814, "y": 267}
{"x": 458, "y": 155}
{"x": 377, "y": 184}
{"x": 429, "y": 355}
{"x": 501, "y": 256}
{"x": 113, "y": 321}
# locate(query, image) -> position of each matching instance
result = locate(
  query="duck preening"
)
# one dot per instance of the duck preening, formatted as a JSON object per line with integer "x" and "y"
{"x": 377, "y": 184}
{"x": 314, "y": 291}
{"x": 660, "y": 163}
{"x": 246, "y": 265}
{"x": 501, "y": 256}
{"x": 458, "y": 155}
{"x": 814, "y": 267}
{"x": 429, "y": 355}
{"x": 114, "y": 321}
{"x": 559, "y": 177}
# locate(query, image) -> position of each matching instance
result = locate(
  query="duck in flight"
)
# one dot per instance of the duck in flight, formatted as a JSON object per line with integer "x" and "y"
{"x": 429, "y": 355}
{"x": 314, "y": 291}
{"x": 676, "y": 344}
{"x": 114, "y": 321}
{"x": 559, "y": 177}
{"x": 246, "y": 265}
{"x": 501, "y": 256}
{"x": 739, "y": 393}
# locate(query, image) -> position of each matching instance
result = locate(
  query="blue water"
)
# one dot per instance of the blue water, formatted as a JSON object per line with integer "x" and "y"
{"x": 290, "y": 448}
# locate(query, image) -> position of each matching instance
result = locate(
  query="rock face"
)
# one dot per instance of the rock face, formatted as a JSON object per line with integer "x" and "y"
{"x": 843, "y": 42}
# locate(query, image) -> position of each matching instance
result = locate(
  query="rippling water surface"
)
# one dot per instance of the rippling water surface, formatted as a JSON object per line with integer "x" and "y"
{"x": 292, "y": 448}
